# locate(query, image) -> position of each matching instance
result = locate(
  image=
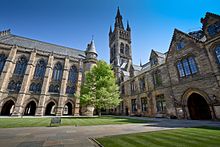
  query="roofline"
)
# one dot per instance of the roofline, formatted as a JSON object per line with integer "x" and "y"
{"x": 45, "y": 42}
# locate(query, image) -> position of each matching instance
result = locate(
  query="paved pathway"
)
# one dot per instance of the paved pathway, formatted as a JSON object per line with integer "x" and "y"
{"x": 78, "y": 136}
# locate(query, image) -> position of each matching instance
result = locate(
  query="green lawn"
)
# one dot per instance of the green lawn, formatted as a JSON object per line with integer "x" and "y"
{"x": 72, "y": 121}
{"x": 186, "y": 137}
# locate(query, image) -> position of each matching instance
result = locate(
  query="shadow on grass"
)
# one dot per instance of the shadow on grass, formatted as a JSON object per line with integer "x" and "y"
{"x": 111, "y": 119}
{"x": 208, "y": 127}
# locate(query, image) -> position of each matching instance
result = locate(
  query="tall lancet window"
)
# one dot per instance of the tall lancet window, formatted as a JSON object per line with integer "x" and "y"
{"x": 40, "y": 69}
{"x": 72, "y": 79}
{"x": 21, "y": 66}
{"x": 57, "y": 72}
{"x": 2, "y": 62}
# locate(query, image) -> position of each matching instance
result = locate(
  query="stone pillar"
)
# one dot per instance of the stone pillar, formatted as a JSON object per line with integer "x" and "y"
{"x": 45, "y": 86}
{"x": 18, "y": 110}
{"x": 7, "y": 71}
{"x": 78, "y": 88}
{"x": 61, "y": 101}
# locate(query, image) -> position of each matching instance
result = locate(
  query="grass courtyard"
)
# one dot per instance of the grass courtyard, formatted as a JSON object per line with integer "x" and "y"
{"x": 186, "y": 137}
{"x": 66, "y": 121}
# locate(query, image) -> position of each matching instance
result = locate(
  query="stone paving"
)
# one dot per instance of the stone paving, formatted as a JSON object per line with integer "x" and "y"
{"x": 67, "y": 136}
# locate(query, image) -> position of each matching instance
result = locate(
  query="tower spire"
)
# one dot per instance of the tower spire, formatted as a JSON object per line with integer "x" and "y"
{"x": 110, "y": 30}
{"x": 128, "y": 26}
{"x": 118, "y": 20}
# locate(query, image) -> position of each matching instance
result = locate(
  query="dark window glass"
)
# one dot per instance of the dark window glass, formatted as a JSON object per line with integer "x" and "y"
{"x": 122, "y": 48}
{"x": 186, "y": 67}
{"x": 180, "y": 45}
{"x": 133, "y": 105}
{"x": 160, "y": 103}
{"x": 211, "y": 30}
{"x": 73, "y": 74}
{"x": 2, "y": 61}
{"x": 142, "y": 84}
{"x": 157, "y": 79}
{"x": 70, "y": 89}
{"x": 127, "y": 50}
{"x": 57, "y": 72}
{"x": 54, "y": 88}
{"x": 36, "y": 88}
{"x": 217, "y": 52}
{"x": 21, "y": 66}
{"x": 180, "y": 69}
{"x": 40, "y": 69}
{"x": 14, "y": 86}
{"x": 144, "y": 105}
{"x": 192, "y": 65}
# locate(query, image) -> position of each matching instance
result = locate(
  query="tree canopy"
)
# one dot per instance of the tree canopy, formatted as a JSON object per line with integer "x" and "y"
{"x": 99, "y": 88}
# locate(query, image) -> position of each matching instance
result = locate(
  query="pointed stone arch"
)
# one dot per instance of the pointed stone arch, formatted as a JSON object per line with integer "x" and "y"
{"x": 30, "y": 107}
{"x": 68, "y": 108}
{"x": 50, "y": 108}
{"x": 8, "y": 105}
{"x": 195, "y": 102}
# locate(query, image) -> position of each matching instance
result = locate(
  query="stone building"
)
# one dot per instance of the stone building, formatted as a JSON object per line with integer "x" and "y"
{"x": 183, "y": 82}
{"x": 39, "y": 78}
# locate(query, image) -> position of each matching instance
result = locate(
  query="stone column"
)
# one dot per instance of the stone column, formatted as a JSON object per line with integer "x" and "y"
{"x": 45, "y": 86}
{"x": 18, "y": 110}
{"x": 61, "y": 101}
{"x": 78, "y": 88}
{"x": 8, "y": 70}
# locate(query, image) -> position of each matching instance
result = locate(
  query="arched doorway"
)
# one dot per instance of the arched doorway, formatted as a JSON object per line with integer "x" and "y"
{"x": 8, "y": 108}
{"x": 198, "y": 107}
{"x": 68, "y": 109}
{"x": 30, "y": 108}
{"x": 50, "y": 109}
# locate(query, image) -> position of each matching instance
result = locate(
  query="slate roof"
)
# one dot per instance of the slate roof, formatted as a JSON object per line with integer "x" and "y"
{"x": 137, "y": 67}
{"x": 40, "y": 45}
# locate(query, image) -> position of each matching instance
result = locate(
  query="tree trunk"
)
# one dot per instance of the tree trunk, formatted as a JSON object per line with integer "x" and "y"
{"x": 100, "y": 113}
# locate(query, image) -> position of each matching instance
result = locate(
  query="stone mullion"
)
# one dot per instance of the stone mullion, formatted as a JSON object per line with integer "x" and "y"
{"x": 63, "y": 87}
{"x": 8, "y": 70}
{"x": 45, "y": 86}
{"x": 25, "y": 85}
{"x": 78, "y": 89}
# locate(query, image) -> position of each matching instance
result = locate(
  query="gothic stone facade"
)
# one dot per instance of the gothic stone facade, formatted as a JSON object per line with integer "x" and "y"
{"x": 182, "y": 83}
{"x": 39, "y": 78}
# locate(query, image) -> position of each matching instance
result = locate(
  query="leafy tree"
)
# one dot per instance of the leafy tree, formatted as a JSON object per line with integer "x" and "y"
{"x": 100, "y": 89}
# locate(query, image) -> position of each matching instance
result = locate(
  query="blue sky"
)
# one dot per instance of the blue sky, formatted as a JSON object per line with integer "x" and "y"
{"x": 73, "y": 22}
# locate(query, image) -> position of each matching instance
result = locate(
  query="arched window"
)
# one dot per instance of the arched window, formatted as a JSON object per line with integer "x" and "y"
{"x": 122, "y": 48}
{"x": 70, "y": 89}
{"x": 217, "y": 53}
{"x": 21, "y": 66}
{"x": 127, "y": 50}
{"x": 51, "y": 88}
{"x": 54, "y": 88}
{"x": 36, "y": 88}
{"x": 57, "y": 72}
{"x": 40, "y": 69}
{"x": 187, "y": 67}
{"x": 2, "y": 61}
{"x": 14, "y": 86}
{"x": 11, "y": 85}
{"x": 73, "y": 74}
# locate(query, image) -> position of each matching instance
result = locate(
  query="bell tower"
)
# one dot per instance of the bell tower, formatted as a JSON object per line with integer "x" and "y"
{"x": 120, "y": 47}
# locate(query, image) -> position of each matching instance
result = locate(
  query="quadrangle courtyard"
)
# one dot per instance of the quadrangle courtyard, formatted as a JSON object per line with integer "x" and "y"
{"x": 129, "y": 131}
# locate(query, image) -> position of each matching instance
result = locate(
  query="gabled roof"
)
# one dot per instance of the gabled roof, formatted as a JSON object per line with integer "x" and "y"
{"x": 158, "y": 54}
{"x": 137, "y": 67}
{"x": 40, "y": 45}
{"x": 176, "y": 31}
